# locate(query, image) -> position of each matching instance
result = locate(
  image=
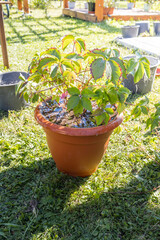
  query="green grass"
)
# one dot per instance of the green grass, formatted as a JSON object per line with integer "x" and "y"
{"x": 36, "y": 200}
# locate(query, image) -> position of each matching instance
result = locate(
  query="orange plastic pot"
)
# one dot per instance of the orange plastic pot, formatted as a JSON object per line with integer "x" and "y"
{"x": 77, "y": 151}
{"x": 108, "y": 11}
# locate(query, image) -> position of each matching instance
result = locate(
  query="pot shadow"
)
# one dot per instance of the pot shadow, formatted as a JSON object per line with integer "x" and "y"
{"x": 35, "y": 194}
{"x": 37, "y": 199}
{"x": 3, "y": 114}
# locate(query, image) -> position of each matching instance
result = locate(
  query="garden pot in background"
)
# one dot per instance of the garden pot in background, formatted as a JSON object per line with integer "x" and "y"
{"x": 8, "y": 99}
{"x": 147, "y": 7}
{"x": 71, "y": 5}
{"x": 86, "y": 5}
{"x": 76, "y": 151}
{"x": 130, "y": 5}
{"x": 91, "y": 7}
{"x": 156, "y": 26}
{"x": 130, "y": 31}
{"x": 144, "y": 85}
{"x": 143, "y": 26}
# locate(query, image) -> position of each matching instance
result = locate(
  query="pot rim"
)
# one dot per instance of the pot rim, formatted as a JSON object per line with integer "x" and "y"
{"x": 131, "y": 26}
{"x": 11, "y": 84}
{"x": 76, "y": 131}
{"x": 147, "y": 56}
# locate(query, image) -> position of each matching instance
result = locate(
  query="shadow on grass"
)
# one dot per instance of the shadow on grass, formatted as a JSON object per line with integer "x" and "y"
{"x": 38, "y": 200}
{"x": 3, "y": 114}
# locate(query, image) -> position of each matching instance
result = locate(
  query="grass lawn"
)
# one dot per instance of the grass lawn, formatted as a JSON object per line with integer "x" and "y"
{"x": 121, "y": 201}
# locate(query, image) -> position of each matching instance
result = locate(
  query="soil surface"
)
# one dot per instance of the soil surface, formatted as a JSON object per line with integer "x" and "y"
{"x": 57, "y": 113}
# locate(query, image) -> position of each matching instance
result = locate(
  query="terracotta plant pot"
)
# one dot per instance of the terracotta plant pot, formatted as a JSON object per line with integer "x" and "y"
{"x": 108, "y": 11}
{"x": 76, "y": 151}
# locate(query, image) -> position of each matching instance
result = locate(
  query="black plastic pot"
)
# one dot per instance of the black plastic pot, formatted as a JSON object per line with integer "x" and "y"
{"x": 91, "y": 7}
{"x": 8, "y": 99}
{"x": 143, "y": 27}
{"x": 156, "y": 26}
{"x": 145, "y": 84}
{"x": 130, "y": 31}
{"x": 130, "y": 5}
{"x": 71, "y": 5}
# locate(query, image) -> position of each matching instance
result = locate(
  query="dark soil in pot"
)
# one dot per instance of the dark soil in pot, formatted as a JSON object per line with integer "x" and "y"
{"x": 58, "y": 114}
{"x": 8, "y": 99}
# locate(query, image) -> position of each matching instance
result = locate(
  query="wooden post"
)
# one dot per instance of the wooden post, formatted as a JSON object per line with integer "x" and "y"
{"x": 25, "y": 6}
{"x": 99, "y": 10}
{"x": 65, "y": 3}
{"x": 3, "y": 40}
{"x": 19, "y": 4}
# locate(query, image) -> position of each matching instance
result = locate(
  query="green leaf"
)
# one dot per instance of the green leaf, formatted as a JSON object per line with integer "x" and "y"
{"x": 109, "y": 110}
{"x": 121, "y": 65}
{"x": 45, "y": 61}
{"x": 87, "y": 93}
{"x": 120, "y": 107}
{"x": 131, "y": 65}
{"x": 148, "y": 122}
{"x": 144, "y": 110}
{"x": 139, "y": 73}
{"x": 136, "y": 111}
{"x": 22, "y": 78}
{"x": 76, "y": 66}
{"x": 112, "y": 95}
{"x": 68, "y": 65}
{"x": 99, "y": 53}
{"x": 97, "y": 112}
{"x": 73, "y": 101}
{"x": 97, "y": 68}
{"x": 155, "y": 123}
{"x": 35, "y": 98}
{"x": 116, "y": 73}
{"x": 35, "y": 77}
{"x": 54, "y": 71}
{"x": 86, "y": 103}
{"x": 73, "y": 91}
{"x": 81, "y": 42}
{"x": 100, "y": 119}
{"x": 74, "y": 56}
{"x": 107, "y": 117}
{"x": 53, "y": 52}
{"x": 20, "y": 87}
{"x": 26, "y": 96}
{"x": 66, "y": 41}
{"x": 79, "y": 108}
{"x": 147, "y": 69}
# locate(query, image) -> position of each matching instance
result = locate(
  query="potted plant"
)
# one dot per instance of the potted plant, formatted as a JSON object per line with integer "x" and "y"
{"x": 109, "y": 6}
{"x": 147, "y": 5}
{"x": 91, "y": 6}
{"x": 145, "y": 83}
{"x": 71, "y": 4}
{"x": 131, "y": 4}
{"x": 8, "y": 84}
{"x": 80, "y": 105}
